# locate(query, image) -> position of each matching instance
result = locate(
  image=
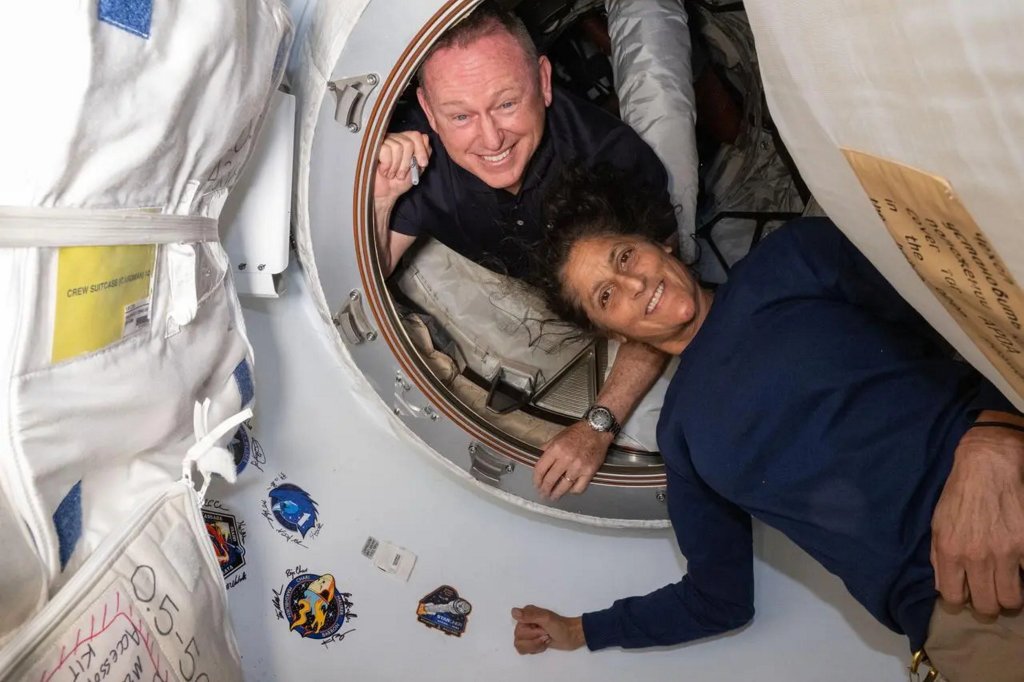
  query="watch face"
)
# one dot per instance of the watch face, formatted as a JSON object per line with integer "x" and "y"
{"x": 600, "y": 419}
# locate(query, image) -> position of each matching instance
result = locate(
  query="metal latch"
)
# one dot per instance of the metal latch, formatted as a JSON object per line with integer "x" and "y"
{"x": 403, "y": 408}
{"x": 487, "y": 466}
{"x": 351, "y": 95}
{"x": 351, "y": 320}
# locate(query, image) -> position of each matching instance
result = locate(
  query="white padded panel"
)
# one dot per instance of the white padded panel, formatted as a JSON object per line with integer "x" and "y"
{"x": 937, "y": 85}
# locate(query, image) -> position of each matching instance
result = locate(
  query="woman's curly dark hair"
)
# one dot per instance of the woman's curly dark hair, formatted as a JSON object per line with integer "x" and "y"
{"x": 590, "y": 202}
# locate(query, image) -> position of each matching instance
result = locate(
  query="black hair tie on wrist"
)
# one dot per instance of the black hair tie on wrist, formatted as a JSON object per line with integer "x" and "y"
{"x": 1001, "y": 425}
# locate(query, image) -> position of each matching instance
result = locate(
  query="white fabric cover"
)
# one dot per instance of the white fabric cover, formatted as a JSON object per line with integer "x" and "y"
{"x": 106, "y": 118}
{"x": 495, "y": 321}
{"x": 149, "y": 604}
{"x": 938, "y": 86}
{"x": 327, "y": 25}
{"x": 652, "y": 65}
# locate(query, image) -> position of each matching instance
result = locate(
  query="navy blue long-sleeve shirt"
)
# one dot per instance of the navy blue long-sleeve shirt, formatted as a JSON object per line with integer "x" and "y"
{"x": 815, "y": 399}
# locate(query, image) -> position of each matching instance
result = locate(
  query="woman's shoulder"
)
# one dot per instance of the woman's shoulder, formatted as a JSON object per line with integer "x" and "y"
{"x": 800, "y": 238}
{"x": 799, "y": 253}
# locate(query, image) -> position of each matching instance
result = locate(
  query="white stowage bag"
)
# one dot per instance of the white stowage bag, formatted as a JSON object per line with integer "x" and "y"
{"x": 149, "y": 606}
{"x": 119, "y": 114}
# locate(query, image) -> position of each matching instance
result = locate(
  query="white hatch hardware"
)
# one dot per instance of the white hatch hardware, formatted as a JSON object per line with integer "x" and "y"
{"x": 350, "y": 95}
{"x": 257, "y": 214}
{"x": 351, "y": 320}
{"x": 487, "y": 466}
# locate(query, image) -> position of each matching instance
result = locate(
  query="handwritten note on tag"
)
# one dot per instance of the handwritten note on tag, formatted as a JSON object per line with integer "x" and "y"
{"x": 951, "y": 254}
{"x": 110, "y": 641}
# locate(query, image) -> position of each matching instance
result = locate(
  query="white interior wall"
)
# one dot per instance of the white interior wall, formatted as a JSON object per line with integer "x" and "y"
{"x": 368, "y": 482}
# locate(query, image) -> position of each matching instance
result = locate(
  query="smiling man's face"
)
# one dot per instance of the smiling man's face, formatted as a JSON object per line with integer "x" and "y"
{"x": 486, "y": 102}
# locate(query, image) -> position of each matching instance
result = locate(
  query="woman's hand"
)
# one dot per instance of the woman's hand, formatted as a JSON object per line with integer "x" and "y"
{"x": 978, "y": 524}
{"x": 538, "y": 630}
{"x": 394, "y": 163}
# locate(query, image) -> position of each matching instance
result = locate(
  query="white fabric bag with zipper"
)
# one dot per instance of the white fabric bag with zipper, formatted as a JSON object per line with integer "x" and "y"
{"x": 149, "y": 604}
{"x": 117, "y": 314}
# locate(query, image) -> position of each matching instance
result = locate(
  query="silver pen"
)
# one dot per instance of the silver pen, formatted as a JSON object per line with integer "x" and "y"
{"x": 414, "y": 168}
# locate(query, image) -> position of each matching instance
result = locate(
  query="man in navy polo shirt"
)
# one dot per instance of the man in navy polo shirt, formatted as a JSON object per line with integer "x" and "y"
{"x": 492, "y": 136}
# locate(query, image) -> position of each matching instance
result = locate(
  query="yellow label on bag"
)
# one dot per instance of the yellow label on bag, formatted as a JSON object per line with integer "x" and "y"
{"x": 103, "y": 295}
{"x": 948, "y": 250}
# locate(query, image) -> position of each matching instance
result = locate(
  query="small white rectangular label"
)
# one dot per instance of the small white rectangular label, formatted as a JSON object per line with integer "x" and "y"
{"x": 136, "y": 317}
{"x": 389, "y": 558}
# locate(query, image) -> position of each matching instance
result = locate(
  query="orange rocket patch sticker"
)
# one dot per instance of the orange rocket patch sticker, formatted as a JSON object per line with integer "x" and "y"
{"x": 313, "y": 606}
{"x": 445, "y": 610}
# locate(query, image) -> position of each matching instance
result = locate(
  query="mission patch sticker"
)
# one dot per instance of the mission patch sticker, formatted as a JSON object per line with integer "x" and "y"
{"x": 227, "y": 534}
{"x": 291, "y": 511}
{"x": 445, "y": 610}
{"x": 313, "y": 606}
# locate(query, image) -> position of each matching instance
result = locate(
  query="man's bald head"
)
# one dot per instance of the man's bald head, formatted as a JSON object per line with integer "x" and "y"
{"x": 484, "y": 21}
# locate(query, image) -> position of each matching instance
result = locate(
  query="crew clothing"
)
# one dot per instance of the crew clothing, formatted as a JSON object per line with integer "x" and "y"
{"x": 956, "y": 636}
{"x": 815, "y": 399}
{"x": 497, "y": 229}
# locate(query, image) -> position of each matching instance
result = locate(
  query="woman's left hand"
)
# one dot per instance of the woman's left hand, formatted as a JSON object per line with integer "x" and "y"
{"x": 978, "y": 524}
{"x": 538, "y": 630}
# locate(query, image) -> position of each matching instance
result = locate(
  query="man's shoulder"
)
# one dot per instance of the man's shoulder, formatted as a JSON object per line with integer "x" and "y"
{"x": 409, "y": 118}
{"x": 583, "y": 126}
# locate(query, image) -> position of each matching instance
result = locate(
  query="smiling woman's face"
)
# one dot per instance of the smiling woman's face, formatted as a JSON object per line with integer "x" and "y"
{"x": 634, "y": 289}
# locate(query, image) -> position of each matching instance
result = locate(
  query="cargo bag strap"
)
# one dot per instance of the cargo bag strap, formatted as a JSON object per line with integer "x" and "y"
{"x": 30, "y": 226}
{"x": 207, "y": 454}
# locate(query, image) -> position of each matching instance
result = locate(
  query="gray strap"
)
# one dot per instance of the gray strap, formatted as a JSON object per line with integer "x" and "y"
{"x": 22, "y": 226}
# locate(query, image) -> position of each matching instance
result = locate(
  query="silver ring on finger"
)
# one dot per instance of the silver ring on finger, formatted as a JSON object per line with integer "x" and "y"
{"x": 571, "y": 480}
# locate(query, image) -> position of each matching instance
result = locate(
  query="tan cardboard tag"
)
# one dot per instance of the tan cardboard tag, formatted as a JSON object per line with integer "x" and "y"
{"x": 951, "y": 255}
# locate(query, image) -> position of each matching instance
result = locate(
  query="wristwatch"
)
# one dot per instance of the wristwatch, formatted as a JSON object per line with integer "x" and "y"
{"x": 601, "y": 419}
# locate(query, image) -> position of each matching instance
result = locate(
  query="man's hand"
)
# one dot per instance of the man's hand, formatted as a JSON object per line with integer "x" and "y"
{"x": 538, "y": 630}
{"x": 572, "y": 457}
{"x": 393, "y": 179}
{"x": 978, "y": 524}
{"x": 394, "y": 163}
{"x": 570, "y": 460}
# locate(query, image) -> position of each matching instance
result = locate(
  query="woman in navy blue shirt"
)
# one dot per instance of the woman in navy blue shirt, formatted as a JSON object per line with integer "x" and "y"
{"x": 811, "y": 396}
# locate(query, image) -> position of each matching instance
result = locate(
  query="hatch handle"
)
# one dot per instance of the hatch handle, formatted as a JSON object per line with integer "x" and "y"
{"x": 488, "y": 466}
{"x": 350, "y": 96}
{"x": 352, "y": 321}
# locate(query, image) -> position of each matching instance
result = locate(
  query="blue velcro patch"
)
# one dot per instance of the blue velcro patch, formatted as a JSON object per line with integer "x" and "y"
{"x": 243, "y": 377}
{"x": 133, "y": 16}
{"x": 68, "y": 522}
